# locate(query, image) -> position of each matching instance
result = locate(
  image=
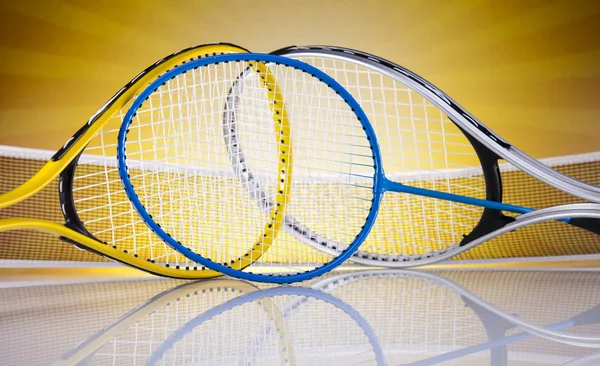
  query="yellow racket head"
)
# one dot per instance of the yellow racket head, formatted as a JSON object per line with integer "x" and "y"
{"x": 97, "y": 212}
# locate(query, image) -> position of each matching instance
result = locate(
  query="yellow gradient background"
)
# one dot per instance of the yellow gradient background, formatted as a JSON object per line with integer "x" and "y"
{"x": 529, "y": 69}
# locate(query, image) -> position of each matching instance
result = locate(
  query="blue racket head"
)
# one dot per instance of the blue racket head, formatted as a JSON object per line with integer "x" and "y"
{"x": 182, "y": 165}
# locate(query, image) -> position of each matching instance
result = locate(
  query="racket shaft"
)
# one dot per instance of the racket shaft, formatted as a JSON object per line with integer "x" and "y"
{"x": 402, "y": 188}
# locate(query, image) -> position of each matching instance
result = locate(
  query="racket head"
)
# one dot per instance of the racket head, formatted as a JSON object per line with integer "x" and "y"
{"x": 296, "y": 87}
{"x": 401, "y": 116}
{"x": 92, "y": 198}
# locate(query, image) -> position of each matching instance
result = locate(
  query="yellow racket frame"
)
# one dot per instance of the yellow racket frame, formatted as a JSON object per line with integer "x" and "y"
{"x": 53, "y": 168}
{"x": 284, "y": 169}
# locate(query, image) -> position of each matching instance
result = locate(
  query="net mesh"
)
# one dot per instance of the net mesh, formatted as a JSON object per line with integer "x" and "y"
{"x": 547, "y": 239}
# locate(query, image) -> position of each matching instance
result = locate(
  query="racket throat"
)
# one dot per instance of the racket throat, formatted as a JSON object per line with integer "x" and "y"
{"x": 491, "y": 220}
{"x": 499, "y": 206}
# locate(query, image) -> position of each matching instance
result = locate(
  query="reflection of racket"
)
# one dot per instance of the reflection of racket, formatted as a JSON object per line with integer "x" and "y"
{"x": 590, "y": 360}
{"x": 431, "y": 309}
{"x": 317, "y": 318}
{"x": 420, "y": 320}
{"x": 553, "y": 333}
{"x": 134, "y": 336}
{"x": 498, "y": 342}
{"x": 417, "y": 317}
{"x": 97, "y": 213}
{"x": 178, "y": 172}
{"x": 437, "y": 154}
{"x": 295, "y": 315}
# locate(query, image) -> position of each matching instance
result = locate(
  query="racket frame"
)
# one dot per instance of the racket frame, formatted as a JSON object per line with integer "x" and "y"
{"x": 63, "y": 164}
{"x": 225, "y": 268}
{"x": 488, "y": 146}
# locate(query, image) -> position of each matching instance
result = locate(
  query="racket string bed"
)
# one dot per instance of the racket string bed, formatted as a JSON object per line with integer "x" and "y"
{"x": 419, "y": 235}
{"x": 247, "y": 114}
{"x": 209, "y": 197}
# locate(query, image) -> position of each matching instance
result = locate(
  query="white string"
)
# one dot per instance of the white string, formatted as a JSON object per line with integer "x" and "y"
{"x": 421, "y": 147}
{"x": 208, "y": 211}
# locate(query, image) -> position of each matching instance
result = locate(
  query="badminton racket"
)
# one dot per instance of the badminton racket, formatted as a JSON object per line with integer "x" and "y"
{"x": 175, "y": 162}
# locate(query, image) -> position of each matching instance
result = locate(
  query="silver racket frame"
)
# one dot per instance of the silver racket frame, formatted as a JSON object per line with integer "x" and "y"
{"x": 460, "y": 116}
{"x": 573, "y": 339}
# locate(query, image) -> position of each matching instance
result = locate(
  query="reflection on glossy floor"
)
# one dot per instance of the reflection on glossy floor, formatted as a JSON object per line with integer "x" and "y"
{"x": 346, "y": 318}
